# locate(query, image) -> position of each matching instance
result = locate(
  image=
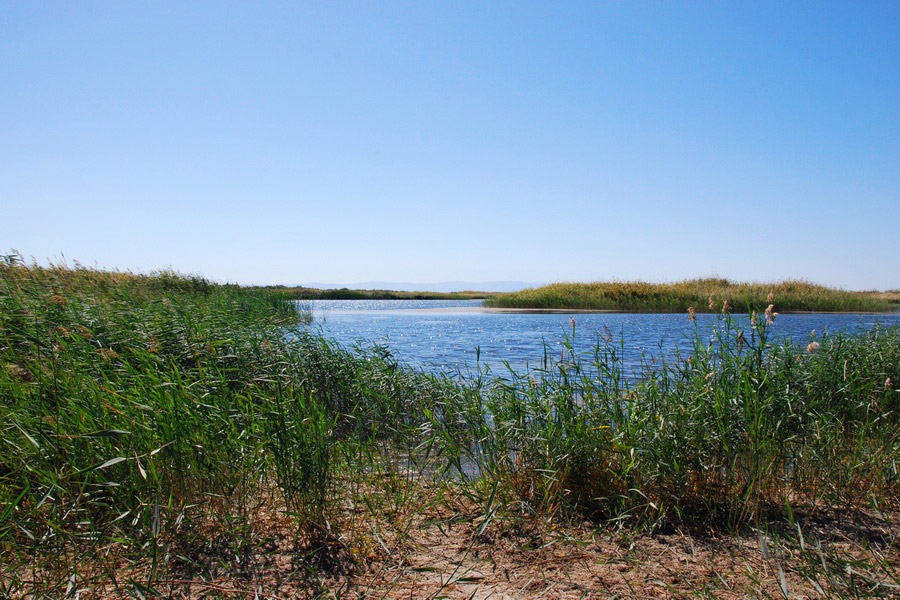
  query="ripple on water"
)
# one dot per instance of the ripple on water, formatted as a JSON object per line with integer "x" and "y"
{"x": 430, "y": 335}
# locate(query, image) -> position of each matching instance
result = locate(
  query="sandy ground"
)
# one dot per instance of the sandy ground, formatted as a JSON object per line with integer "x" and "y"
{"x": 451, "y": 552}
{"x": 535, "y": 311}
{"x": 429, "y": 547}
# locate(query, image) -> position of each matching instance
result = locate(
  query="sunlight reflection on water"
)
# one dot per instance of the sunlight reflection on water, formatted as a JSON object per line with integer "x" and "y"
{"x": 445, "y": 335}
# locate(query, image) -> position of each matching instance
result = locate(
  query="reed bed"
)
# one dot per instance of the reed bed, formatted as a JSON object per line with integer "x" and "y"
{"x": 144, "y": 418}
{"x": 703, "y": 295}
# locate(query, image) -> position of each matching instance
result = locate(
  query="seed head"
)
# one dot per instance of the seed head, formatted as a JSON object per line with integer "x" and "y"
{"x": 20, "y": 373}
{"x": 887, "y": 383}
{"x": 813, "y": 346}
{"x": 712, "y": 303}
{"x": 692, "y": 313}
{"x": 771, "y": 297}
{"x": 108, "y": 354}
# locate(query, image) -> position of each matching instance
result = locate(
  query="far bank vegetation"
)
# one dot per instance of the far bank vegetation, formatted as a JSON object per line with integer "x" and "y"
{"x": 703, "y": 295}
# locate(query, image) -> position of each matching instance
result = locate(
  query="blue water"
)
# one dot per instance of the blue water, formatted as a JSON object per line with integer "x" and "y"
{"x": 449, "y": 335}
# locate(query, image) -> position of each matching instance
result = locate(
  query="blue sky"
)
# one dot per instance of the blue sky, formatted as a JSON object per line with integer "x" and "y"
{"x": 288, "y": 142}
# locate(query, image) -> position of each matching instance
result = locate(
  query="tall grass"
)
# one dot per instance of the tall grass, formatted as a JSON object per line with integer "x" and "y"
{"x": 739, "y": 427}
{"x": 136, "y": 410}
{"x": 140, "y": 413}
{"x": 704, "y": 295}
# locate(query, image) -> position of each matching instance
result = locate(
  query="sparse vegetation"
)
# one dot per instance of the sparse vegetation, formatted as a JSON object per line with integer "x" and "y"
{"x": 162, "y": 434}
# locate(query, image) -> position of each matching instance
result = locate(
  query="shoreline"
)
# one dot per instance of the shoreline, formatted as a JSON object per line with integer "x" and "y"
{"x": 577, "y": 311}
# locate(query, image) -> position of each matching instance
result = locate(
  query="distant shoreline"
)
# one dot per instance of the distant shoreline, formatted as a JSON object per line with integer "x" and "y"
{"x": 302, "y": 293}
{"x": 570, "y": 311}
{"x": 702, "y": 296}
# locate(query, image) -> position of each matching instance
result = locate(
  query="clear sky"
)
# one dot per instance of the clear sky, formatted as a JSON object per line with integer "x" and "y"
{"x": 288, "y": 142}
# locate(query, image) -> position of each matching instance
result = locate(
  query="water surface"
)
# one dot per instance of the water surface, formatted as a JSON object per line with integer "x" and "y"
{"x": 450, "y": 335}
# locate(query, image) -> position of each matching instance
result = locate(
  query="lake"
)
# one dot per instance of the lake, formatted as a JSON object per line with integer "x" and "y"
{"x": 450, "y": 335}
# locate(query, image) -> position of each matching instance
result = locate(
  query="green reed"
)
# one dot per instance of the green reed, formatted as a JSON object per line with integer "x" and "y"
{"x": 142, "y": 412}
{"x": 737, "y": 427}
